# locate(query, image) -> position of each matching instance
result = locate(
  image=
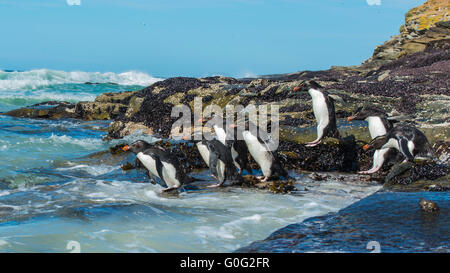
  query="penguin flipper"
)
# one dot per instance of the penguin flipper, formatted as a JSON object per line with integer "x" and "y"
{"x": 213, "y": 161}
{"x": 403, "y": 145}
{"x": 159, "y": 166}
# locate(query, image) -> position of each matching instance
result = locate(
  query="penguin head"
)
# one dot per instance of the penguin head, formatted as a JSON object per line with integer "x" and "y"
{"x": 376, "y": 143}
{"x": 362, "y": 113}
{"x": 307, "y": 85}
{"x": 137, "y": 146}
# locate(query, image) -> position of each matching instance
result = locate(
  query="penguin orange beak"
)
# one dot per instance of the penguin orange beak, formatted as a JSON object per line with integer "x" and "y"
{"x": 184, "y": 138}
{"x": 201, "y": 120}
{"x": 295, "y": 89}
{"x": 125, "y": 148}
{"x": 232, "y": 126}
{"x": 350, "y": 118}
{"x": 366, "y": 147}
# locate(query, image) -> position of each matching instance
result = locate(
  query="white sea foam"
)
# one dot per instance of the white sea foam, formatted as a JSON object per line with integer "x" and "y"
{"x": 92, "y": 170}
{"x": 39, "y": 78}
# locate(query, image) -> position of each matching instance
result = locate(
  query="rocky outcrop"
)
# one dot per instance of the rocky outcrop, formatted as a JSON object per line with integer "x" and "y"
{"x": 423, "y": 25}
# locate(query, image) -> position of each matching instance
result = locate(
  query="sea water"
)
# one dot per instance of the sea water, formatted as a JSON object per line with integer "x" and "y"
{"x": 58, "y": 184}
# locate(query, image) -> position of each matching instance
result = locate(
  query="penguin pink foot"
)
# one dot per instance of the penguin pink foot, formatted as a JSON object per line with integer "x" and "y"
{"x": 262, "y": 178}
{"x": 314, "y": 143}
{"x": 373, "y": 170}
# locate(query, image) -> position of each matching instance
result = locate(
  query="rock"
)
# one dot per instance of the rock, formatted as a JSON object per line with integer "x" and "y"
{"x": 128, "y": 166}
{"x": 442, "y": 151}
{"x": 418, "y": 176}
{"x": 317, "y": 177}
{"x": 423, "y": 25}
{"x": 338, "y": 156}
{"x": 99, "y": 111}
{"x": 277, "y": 186}
{"x": 45, "y": 110}
{"x": 119, "y": 129}
{"x": 425, "y": 16}
{"x": 428, "y": 206}
{"x": 384, "y": 75}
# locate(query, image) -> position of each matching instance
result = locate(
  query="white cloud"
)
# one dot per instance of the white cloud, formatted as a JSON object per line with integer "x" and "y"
{"x": 373, "y": 2}
{"x": 73, "y": 2}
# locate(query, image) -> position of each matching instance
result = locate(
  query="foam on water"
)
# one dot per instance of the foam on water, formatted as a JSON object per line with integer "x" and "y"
{"x": 34, "y": 79}
{"x": 118, "y": 215}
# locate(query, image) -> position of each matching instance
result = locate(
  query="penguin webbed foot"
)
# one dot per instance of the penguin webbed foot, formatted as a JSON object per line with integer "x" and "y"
{"x": 313, "y": 143}
{"x": 262, "y": 178}
{"x": 170, "y": 189}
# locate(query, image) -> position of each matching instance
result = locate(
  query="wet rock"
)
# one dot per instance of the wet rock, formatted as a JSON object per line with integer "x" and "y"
{"x": 341, "y": 156}
{"x": 418, "y": 176}
{"x": 317, "y": 177}
{"x": 128, "y": 166}
{"x": 442, "y": 151}
{"x": 352, "y": 228}
{"x": 277, "y": 186}
{"x": 45, "y": 110}
{"x": 428, "y": 206}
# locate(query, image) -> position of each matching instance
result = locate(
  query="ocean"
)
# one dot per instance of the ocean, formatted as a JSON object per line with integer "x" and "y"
{"x": 59, "y": 184}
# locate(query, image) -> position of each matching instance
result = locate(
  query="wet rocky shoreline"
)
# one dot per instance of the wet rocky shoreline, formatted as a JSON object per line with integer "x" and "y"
{"x": 408, "y": 77}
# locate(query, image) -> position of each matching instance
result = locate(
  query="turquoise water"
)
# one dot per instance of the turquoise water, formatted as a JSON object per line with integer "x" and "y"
{"x": 59, "y": 184}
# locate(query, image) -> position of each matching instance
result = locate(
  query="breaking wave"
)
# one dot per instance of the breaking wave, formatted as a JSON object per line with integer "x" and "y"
{"x": 35, "y": 79}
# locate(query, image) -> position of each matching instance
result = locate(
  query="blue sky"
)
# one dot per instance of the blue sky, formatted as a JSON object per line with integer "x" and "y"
{"x": 195, "y": 37}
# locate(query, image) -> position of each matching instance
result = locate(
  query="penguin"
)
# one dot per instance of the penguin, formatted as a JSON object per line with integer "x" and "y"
{"x": 378, "y": 125}
{"x": 237, "y": 146}
{"x": 159, "y": 163}
{"x": 376, "y": 118}
{"x": 407, "y": 139}
{"x": 218, "y": 158}
{"x": 323, "y": 107}
{"x": 267, "y": 159}
{"x": 221, "y": 163}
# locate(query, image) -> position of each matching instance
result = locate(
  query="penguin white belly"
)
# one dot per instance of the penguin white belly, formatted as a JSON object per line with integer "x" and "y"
{"x": 204, "y": 152}
{"x": 221, "y": 170}
{"x": 376, "y": 127}
{"x": 169, "y": 175}
{"x": 411, "y": 147}
{"x": 320, "y": 109}
{"x": 148, "y": 162}
{"x": 378, "y": 157}
{"x": 234, "y": 155}
{"x": 221, "y": 134}
{"x": 392, "y": 143}
{"x": 259, "y": 152}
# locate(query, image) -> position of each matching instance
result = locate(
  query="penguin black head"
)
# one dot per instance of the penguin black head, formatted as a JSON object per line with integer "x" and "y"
{"x": 137, "y": 146}
{"x": 376, "y": 143}
{"x": 362, "y": 113}
{"x": 306, "y": 85}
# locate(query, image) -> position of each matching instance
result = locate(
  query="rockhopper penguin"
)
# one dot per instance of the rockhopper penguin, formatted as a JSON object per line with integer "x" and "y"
{"x": 159, "y": 163}
{"x": 409, "y": 140}
{"x": 237, "y": 146}
{"x": 267, "y": 159}
{"x": 323, "y": 107}
{"x": 218, "y": 158}
{"x": 378, "y": 125}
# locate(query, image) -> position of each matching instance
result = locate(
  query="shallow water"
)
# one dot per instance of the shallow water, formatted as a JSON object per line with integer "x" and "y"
{"x": 58, "y": 184}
